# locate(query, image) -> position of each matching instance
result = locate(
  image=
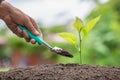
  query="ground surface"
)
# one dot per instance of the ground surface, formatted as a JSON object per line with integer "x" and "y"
{"x": 62, "y": 72}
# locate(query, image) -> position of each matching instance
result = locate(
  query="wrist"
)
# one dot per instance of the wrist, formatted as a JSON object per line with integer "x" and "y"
{"x": 5, "y": 9}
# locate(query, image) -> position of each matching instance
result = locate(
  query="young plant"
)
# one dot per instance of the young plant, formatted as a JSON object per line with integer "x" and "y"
{"x": 82, "y": 30}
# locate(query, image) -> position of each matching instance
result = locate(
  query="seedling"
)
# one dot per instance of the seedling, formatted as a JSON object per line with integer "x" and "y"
{"x": 82, "y": 31}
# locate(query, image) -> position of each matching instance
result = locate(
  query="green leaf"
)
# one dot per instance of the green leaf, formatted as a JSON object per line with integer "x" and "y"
{"x": 84, "y": 32}
{"x": 91, "y": 24}
{"x": 78, "y": 24}
{"x": 69, "y": 37}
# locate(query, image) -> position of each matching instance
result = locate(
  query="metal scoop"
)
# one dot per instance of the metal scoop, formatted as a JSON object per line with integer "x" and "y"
{"x": 40, "y": 41}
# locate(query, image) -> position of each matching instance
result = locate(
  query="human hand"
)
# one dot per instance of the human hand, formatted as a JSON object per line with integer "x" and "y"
{"x": 13, "y": 17}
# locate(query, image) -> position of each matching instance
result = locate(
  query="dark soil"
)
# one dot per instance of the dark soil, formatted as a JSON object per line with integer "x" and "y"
{"x": 62, "y": 72}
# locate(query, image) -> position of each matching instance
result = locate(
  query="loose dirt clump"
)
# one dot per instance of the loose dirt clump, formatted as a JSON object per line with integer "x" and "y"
{"x": 62, "y": 72}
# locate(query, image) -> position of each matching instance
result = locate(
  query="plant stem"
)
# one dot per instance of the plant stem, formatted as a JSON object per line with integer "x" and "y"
{"x": 80, "y": 47}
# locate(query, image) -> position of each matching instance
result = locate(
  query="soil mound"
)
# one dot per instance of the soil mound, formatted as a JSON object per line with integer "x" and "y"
{"x": 62, "y": 72}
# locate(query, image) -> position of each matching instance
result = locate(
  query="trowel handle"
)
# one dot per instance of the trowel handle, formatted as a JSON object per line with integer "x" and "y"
{"x": 32, "y": 36}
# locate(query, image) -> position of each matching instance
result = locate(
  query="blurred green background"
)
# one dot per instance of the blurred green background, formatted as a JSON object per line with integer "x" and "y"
{"x": 100, "y": 47}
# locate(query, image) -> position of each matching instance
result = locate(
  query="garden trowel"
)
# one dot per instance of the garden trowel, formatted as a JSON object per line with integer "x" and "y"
{"x": 41, "y": 41}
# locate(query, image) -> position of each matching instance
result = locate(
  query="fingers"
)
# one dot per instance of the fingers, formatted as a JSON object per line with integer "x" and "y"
{"x": 36, "y": 26}
{"x": 12, "y": 21}
{"x": 32, "y": 41}
{"x": 33, "y": 27}
{"x": 15, "y": 29}
{"x": 12, "y": 26}
{"x": 21, "y": 33}
{"x": 30, "y": 26}
{"x": 26, "y": 36}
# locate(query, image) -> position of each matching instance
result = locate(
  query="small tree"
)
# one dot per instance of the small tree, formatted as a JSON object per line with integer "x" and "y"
{"x": 82, "y": 30}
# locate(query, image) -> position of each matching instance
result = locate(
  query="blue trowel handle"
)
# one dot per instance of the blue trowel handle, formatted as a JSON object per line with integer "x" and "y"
{"x": 32, "y": 36}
